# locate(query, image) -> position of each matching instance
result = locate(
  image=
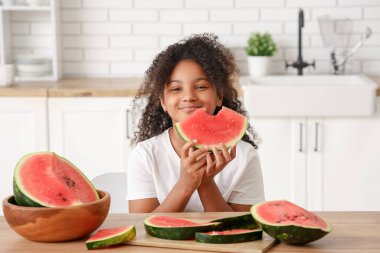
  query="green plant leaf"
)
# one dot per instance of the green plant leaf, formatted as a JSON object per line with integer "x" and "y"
{"x": 260, "y": 44}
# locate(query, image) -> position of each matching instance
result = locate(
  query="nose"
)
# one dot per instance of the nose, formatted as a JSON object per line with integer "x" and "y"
{"x": 189, "y": 95}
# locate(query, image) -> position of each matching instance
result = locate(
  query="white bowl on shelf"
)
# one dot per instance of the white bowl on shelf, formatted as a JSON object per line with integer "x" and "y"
{"x": 31, "y": 59}
{"x": 33, "y": 67}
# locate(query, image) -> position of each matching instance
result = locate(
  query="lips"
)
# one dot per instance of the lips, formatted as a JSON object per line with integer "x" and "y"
{"x": 189, "y": 108}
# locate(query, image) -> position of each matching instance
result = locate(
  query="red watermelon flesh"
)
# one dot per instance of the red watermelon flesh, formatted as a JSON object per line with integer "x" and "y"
{"x": 227, "y": 127}
{"x": 167, "y": 221}
{"x": 111, "y": 236}
{"x": 46, "y": 179}
{"x": 108, "y": 232}
{"x": 287, "y": 213}
{"x": 230, "y": 232}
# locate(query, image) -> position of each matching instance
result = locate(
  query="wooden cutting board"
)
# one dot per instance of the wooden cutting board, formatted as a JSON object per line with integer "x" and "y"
{"x": 143, "y": 239}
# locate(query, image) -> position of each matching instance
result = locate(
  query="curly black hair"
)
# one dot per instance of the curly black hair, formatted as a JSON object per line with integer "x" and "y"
{"x": 217, "y": 62}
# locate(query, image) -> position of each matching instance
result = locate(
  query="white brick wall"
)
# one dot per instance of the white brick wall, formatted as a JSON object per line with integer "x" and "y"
{"x": 119, "y": 38}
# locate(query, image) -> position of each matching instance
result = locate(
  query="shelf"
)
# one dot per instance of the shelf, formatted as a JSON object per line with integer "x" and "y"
{"x": 25, "y": 8}
{"x": 6, "y": 37}
{"x": 34, "y": 78}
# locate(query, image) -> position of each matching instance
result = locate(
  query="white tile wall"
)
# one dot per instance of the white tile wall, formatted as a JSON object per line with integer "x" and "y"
{"x": 119, "y": 38}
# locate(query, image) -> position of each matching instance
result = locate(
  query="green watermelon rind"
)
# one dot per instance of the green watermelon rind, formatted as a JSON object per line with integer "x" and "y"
{"x": 253, "y": 235}
{"x": 119, "y": 238}
{"x": 290, "y": 234}
{"x": 20, "y": 194}
{"x": 177, "y": 233}
{"x": 294, "y": 234}
{"x": 244, "y": 221}
{"x": 229, "y": 144}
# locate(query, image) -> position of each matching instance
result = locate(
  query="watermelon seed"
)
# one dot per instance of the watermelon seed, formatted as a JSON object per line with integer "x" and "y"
{"x": 69, "y": 182}
{"x": 60, "y": 196}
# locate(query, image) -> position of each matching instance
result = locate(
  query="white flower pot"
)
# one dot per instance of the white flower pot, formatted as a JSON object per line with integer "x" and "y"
{"x": 258, "y": 65}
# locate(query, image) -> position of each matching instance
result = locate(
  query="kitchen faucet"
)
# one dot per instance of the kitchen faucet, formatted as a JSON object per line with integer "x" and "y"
{"x": 300, "y": 64}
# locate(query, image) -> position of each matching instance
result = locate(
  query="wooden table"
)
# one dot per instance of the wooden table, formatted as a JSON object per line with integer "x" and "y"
{"x": 353, "y": 232}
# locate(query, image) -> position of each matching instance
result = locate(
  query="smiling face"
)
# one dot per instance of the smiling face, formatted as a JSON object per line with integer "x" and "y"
{"x": 187, "y": 90}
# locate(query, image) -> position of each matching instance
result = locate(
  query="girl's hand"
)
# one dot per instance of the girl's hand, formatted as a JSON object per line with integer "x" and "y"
{"x": 193, "y": 166}
{"x": 217, "y": 161}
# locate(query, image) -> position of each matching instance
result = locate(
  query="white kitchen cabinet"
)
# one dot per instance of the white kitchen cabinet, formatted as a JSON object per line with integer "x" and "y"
{"x": 93, "y": 133}
{"x": 282, "y": 153}
{"x": 344, "y": 174}
{"x": 321, "y": 163}
{"x": 23, "y": 129}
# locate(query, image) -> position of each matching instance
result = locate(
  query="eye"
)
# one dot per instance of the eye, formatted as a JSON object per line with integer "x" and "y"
{"x": 201, "y": 87}
{"x": 175, "y": 89}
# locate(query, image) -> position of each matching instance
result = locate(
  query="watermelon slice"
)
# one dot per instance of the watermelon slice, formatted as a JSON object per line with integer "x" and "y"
{"x": 289, "y": 223}
{"x": 46, "y": 179}
{"x": 227, "y": 127}
{"x": 111, "y": 236}
{"x": 171, "y": 228}
{"x": 229, "y": 236}
{"x": 244, "y": 221}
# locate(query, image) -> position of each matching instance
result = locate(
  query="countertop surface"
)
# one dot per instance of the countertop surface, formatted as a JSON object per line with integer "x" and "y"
{"x": 75, "y": 87}
{"x": 87, "y": 87}
{"x": 352, "y": 232}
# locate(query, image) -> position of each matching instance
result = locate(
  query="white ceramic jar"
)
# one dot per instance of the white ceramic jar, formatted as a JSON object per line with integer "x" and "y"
{"x": 6, "y": 74}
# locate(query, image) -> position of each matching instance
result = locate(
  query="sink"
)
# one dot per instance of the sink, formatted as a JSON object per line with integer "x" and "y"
{"x": 310, "y": 95}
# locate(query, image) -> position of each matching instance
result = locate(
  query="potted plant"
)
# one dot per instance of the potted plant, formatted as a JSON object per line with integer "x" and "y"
{"x": 260, "y": 47}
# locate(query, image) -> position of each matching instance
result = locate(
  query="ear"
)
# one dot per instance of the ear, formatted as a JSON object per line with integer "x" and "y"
{"x": 219, "y": 101}
{"x": 162, "y": 102}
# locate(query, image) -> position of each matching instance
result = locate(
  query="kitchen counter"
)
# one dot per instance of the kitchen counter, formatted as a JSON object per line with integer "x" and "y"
{"x": 352, "y": 232}
{"x": 75, "y": 87}
{"x": 88, "y": 87}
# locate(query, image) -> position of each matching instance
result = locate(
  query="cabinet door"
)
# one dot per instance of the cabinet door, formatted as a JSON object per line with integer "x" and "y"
{"x": 23, "y": 129}
{"x": 93, "y": 133}
{"x": 350, "y": 164}
{"x": 283, "y": 157}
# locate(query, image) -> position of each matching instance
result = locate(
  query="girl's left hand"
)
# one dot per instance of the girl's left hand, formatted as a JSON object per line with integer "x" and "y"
{"x": 217, "y": 161}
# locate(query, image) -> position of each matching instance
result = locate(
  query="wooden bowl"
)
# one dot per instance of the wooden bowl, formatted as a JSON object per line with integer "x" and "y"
{"x": 56, "y": 224}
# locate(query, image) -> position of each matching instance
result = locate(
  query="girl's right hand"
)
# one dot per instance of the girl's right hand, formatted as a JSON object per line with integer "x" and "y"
{"x": 193, "y": 166}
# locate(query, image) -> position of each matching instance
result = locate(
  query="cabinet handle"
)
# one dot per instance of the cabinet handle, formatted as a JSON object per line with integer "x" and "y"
{"x": 127, "y": 123}
{"x": 301, "y": 139}
{"x": 316, "y": 137}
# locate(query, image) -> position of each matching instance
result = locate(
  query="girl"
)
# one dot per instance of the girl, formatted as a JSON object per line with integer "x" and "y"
{"x": 166, "y": 174}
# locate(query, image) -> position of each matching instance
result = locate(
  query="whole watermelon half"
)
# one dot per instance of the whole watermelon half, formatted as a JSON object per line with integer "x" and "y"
{"x": 289, "y": 223}
{"x": 48, "y": 180}
{"x": 227, "y": 127}
{"x": 111, "y": 236}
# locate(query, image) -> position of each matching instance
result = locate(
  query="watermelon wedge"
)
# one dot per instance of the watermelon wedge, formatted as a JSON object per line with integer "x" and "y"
{"x": 229, "y": 236}
{"x": 171, "y": 228}
{"x": 244, "y": 221}
{"x": 288, "y": 222}
{"x": 46, "y": 179}
{"x": 227, "y": 127}
{"x": 111, "y": 236}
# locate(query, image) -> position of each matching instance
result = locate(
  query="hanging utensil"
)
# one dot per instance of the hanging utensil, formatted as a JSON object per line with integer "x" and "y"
{"x": 357, "y": 46}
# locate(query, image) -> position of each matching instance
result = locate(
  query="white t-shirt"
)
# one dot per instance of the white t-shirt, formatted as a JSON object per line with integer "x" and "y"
{"x": 154, "y": 168}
